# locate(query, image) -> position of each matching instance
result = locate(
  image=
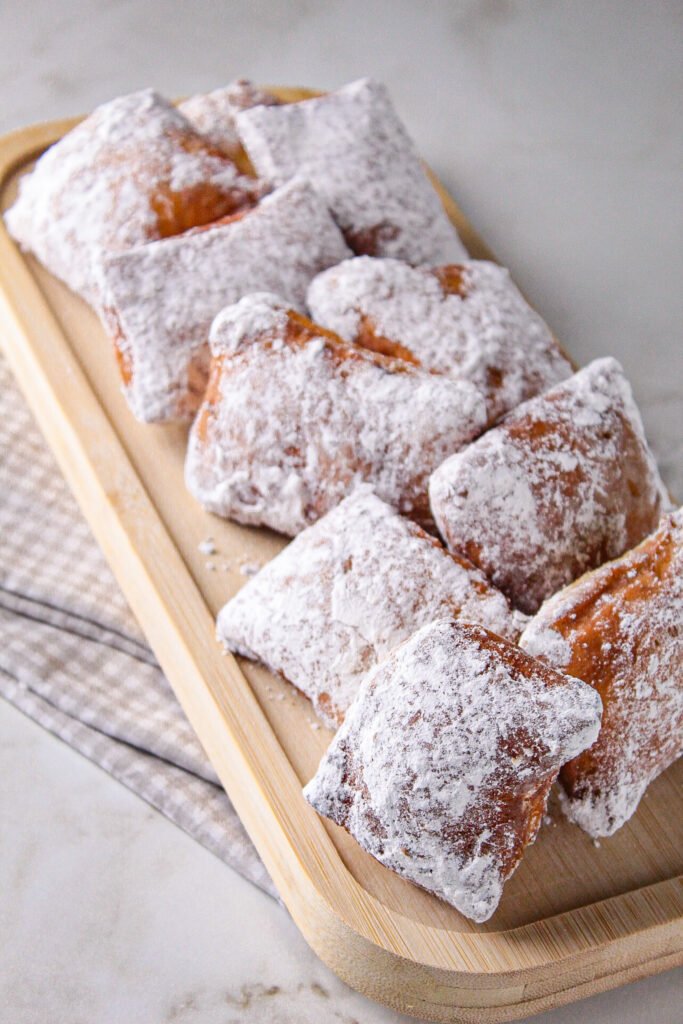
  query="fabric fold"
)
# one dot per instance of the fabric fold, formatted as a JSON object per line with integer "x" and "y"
{"x": 73, "y": 658}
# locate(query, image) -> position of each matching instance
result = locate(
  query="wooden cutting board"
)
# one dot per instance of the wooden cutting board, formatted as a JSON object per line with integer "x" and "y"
{"x": 576, "y": 918}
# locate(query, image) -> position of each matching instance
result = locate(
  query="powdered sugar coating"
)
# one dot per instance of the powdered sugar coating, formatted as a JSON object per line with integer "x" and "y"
{"x": 132, "y": 171}
{"x": 159, "y": 299}
{"x": 355, "y": 151}
{"x": 443, "y": 764}
{"x": 294, "y": 419}
{"x": 213, "y": 113}
{"x": 466, "y": 320}
{"x": 620, "y": 628}
{"x": 561, "y": 485}
{"x": 347, "y": 591}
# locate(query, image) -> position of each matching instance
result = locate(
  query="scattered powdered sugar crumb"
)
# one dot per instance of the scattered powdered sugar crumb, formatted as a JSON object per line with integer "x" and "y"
{"x": 345, "y": 592}
{"x": 620, "y": 628}
{"x": 354, "y": 149}
{"x": 211, "y": 566}
{"x": 453, "y": 726}
{"x": 250, "y": 568}
{"x": 160, "y": 298}
{"x": 207, "y": 546}
{"x": 76, "y": 203}
{"x": 484, "y": 331}
{"x": 331, "y": 416}
{"x": 564, "y": 482}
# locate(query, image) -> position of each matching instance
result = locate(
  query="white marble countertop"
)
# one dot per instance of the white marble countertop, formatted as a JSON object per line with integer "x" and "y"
{"x": 556, "y": 126}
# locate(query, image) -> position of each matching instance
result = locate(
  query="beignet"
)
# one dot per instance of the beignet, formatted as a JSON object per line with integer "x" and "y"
{"x": 564, "y": 483}
{"x": 134, "y": 170}
{"x": 442, "y": 767}
{"x": 345, "y": 592}
{"x": 620, "y": 628}
{"x": 159, "y": 299}
{"x": 295, "y": 418}
{"x": 213, "y": 113}
{"x": 466, "y": 320}
{"x": 355, "y": 151}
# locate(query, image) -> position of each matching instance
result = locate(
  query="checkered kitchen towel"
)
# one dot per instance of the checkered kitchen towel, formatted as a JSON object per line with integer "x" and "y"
{"x": 73, "y": 658}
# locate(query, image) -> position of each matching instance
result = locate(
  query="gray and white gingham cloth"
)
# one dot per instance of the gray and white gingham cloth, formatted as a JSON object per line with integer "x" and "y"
{"x": 73, "y": 658}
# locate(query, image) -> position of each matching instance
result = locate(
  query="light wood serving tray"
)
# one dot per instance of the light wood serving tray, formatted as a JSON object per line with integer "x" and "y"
{"x": 575, "y": 919}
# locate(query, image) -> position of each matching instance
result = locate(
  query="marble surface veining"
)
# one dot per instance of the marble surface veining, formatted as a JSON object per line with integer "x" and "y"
{"x": 556, "y": 125}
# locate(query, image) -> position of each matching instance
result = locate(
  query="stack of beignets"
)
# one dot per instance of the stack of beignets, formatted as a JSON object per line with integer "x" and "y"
{"x": 159, "y": 299}
{"x": 133, "y": 171}
{"x": 466, "y": 320}
{"x": 360, "y": 401}
{"x": 350, "y": 588}
{"x": 565, "y": 482}
{"x": 330, "y": 416}
{"x": 620, "y": 628}
{"x": 353, "y": 148}
{"x": 442, "y": 767}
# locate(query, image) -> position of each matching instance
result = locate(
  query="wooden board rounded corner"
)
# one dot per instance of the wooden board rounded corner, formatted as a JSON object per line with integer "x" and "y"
{"x": 425, "y": 961}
